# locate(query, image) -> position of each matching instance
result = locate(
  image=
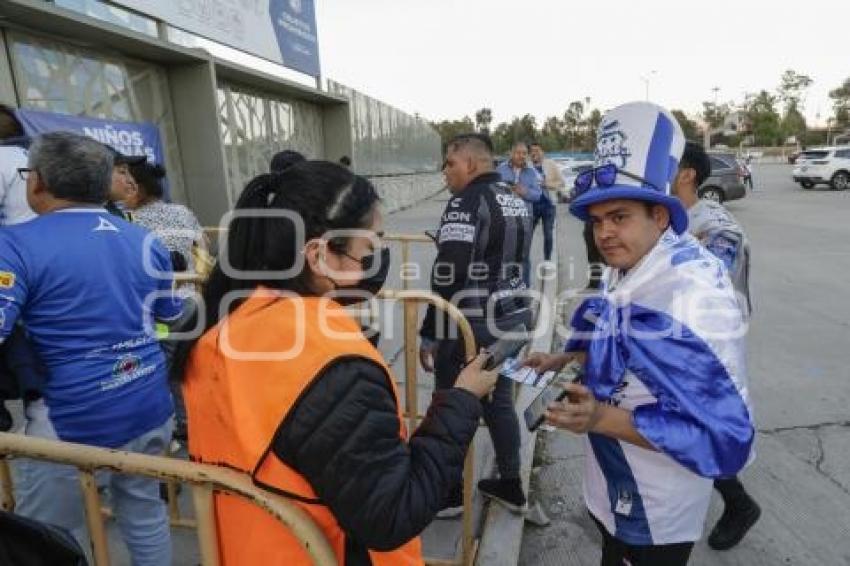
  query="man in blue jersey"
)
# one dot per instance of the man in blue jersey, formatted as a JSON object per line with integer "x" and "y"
{"x": 88, "y": 287}
{"x": 664, "y": 402}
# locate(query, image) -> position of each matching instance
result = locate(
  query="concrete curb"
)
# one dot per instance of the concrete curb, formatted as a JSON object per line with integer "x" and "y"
{"x": 501, "y": 537}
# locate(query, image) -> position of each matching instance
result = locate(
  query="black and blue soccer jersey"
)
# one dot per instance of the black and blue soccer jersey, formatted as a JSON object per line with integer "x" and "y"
{"x": 484, "y": 237}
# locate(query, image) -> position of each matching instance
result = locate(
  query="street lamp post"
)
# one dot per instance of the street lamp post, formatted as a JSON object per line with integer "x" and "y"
{"x": 646, "y": 80}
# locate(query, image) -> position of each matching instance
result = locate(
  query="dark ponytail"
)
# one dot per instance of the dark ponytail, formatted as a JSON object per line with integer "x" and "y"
{"x": 324, "y": 195}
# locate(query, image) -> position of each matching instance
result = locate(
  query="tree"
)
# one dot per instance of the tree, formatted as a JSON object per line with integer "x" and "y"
{"x": 502, "y": 138}
{"x": 794, "y": 124}
{"x": 593, "y": 122}
{"x": 689, "y": 127}
{"x": 761, "y": 113}
{"x": 552, "y": 134}
{"x": 841, "y": 104}
{"x": 714, "y": 114}
{"x": 573, "y": 121}
{"x": 791, "y": 92}
{"x": 792, "y": 88}
{"x": 523, "y": 129}
{"x": 483, "y": 119}
{"x": 451, "y": 128}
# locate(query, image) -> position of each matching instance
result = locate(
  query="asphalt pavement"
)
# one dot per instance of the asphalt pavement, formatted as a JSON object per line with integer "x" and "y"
{"x": 799, "y": 353}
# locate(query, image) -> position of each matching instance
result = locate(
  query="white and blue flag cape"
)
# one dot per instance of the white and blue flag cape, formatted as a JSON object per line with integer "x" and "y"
{"x": 665, "y": 341}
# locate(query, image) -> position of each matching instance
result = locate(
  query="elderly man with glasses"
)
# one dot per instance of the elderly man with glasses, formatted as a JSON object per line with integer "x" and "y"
{"x": 89, "y": 287}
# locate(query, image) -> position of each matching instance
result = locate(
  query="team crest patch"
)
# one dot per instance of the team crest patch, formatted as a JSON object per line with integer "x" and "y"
{"x": 7, "y": 279}
{"x": 611, "y": 146}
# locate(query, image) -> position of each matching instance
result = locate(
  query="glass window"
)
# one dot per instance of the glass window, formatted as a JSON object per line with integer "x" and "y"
{"x": 843, "y": 153}
{"x": 814, "y": 155}
{"x": 58, "y": 77}
{"x": 717, "y": 163}
{"x": 111, "y": 14}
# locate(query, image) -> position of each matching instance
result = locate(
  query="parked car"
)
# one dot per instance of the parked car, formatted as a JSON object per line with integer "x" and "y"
{"x": 726, "y": 181}
{"x": 570, "y": 169}
{"x": 824, "y": 165}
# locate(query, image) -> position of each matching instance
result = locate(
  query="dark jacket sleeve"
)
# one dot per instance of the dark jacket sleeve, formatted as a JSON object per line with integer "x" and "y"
{"x": 460, "y": 229}
{"x": 343, "y": 437}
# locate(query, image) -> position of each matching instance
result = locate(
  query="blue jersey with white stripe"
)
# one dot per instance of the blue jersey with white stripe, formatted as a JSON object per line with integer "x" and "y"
{"x": 87, "y": 286}
{"x": 666, "y": 342}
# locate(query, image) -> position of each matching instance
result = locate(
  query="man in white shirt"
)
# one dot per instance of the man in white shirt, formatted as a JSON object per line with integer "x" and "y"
{"x": 13, "y": 188}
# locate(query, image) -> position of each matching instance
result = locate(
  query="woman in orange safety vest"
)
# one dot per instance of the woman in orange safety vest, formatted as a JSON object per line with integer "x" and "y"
{"x": 284, "y": 386}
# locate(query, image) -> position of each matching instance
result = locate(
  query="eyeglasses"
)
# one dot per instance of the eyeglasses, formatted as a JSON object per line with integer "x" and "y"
{"x": 24, "y": 172}
{"x": 605, "y": 176}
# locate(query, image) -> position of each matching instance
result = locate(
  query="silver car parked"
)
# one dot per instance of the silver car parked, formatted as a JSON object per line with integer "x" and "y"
{"x": 726, "y": 181}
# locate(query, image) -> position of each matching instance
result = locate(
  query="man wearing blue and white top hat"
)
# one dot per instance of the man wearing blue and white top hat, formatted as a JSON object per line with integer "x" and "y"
{"x": 664, "y": 402}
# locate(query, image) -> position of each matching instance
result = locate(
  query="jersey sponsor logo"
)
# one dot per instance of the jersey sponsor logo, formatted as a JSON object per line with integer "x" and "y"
{"x": 5, "y": 302}
{"x": 105, "y": 226}
{"x": 7, "y": 279}
{"x": 512, "y": 206}
{"x": 457, "y": 233}
{"x": 128, "y": 368}
{"x": 455, "y": 216}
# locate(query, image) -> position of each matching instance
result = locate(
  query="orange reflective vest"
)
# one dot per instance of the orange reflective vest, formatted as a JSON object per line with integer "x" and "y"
{"x": 244, "y": 376}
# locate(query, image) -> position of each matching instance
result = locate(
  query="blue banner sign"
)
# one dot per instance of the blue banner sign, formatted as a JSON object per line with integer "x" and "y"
{"x": 130, "y": 138}
{"x": 294, "y": 24}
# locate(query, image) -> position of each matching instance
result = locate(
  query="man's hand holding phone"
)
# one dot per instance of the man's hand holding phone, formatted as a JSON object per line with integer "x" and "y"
{"x": 578, "y": 412}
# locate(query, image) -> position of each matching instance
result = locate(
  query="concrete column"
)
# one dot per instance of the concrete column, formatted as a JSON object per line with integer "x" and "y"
{"x": 7, "y": 82}
{"x": 336, "y": 121}
{"x": 193, "y": 96}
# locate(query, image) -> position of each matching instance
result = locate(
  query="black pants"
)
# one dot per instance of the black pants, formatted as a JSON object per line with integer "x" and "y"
{"x": 547, "y": 216}
{"x": 615, "y": 551}
{"x": 498, "y": 409}
{"x": 731, "y": 490}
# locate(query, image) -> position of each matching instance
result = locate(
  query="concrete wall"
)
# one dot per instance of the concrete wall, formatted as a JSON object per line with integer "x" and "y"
{"x": 402, "y": 191}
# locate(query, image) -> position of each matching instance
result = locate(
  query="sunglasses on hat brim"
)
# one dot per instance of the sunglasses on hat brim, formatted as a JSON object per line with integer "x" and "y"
{"x": 605, "y": 176}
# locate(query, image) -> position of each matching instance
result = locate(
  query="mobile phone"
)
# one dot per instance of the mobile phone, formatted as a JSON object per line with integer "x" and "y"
{"x": 507, "y": 346}
{"x": 536, "y": 411}
{"x": 552, "y": 393}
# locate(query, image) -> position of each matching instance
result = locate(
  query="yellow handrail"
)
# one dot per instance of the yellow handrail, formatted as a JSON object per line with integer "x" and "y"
{"x": 204, "y": 479}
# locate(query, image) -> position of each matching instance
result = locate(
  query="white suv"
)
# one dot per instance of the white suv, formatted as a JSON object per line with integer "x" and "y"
{"x": 826, "y": 165}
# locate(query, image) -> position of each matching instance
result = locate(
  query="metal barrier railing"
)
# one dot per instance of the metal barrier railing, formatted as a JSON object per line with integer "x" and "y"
{"x": 405, "y": 240}
{"x": 205, "y": 480}
{"x": 411, "y": 299}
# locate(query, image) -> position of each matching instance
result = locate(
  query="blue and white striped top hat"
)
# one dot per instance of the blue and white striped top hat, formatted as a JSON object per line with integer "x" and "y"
{"x": 644, "y": 140}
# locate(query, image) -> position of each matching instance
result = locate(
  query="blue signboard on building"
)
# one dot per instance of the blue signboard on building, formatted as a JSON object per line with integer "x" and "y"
{"x": 283, "y": 31}
{"x": 294, "y": 24}
{"x": 130, "y": 138}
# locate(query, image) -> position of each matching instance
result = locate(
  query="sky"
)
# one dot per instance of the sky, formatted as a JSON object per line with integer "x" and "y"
{"x": 445, "y": 59}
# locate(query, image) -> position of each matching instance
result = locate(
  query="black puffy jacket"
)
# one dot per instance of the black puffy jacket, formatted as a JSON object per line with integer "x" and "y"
{"x": 343, "y": 437}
